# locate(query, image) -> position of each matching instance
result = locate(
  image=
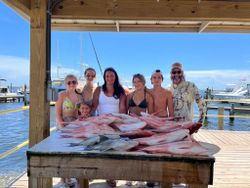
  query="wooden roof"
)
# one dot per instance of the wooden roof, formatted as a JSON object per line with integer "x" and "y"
{"x": 145, "y": 15}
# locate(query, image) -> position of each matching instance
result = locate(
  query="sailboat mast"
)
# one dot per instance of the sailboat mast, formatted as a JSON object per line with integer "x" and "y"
{"x": 97, "y": 59}
{"x": 82, "y": 65}
{"x": 57, "y": 60}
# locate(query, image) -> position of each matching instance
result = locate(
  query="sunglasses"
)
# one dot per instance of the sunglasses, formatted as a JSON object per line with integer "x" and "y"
{"x": 176, "y": 72}
{"x": 72, "y": 82}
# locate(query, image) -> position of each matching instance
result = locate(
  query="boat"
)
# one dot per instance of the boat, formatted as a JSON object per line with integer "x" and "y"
{"x": 23, "y": 90}
{"x": 240, "y": 91}
{"x": 5, "y": 93}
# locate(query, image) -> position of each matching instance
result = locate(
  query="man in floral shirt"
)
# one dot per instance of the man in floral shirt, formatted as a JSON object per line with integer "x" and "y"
{"x": 184, "y": 95}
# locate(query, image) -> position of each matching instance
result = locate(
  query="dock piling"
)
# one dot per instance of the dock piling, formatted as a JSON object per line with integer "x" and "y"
{"x": 25, "y": 95}
{"x": 221, "y": 118}
{"x": 231, "y": 113}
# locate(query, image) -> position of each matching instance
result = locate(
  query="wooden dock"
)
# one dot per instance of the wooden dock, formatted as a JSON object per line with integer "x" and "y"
{"x": 13, "y": 98}
{"x": 228, "y": 108}
{"x": 231, "y": 168}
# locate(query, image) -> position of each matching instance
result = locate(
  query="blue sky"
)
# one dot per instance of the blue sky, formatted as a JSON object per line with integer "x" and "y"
{"x": 209, "y": 60}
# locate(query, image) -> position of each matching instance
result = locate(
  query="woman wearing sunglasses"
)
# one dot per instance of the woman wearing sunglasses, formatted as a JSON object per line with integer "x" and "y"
{"x": 66, "y": 105}
{"x": 185, "y": 93}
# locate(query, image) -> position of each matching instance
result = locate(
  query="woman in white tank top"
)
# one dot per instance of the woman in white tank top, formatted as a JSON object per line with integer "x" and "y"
{"x": 110, "y": 97}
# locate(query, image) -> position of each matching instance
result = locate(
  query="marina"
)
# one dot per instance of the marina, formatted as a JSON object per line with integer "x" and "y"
{"x": 219, "y": 138}
{"x": 29, "y": 131}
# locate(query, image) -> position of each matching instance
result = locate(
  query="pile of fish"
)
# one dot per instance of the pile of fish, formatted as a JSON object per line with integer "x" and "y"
{"x": 146, "y": 133}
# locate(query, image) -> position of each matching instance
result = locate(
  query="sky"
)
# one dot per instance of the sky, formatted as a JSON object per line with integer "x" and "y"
{"x": 209, "y": 60}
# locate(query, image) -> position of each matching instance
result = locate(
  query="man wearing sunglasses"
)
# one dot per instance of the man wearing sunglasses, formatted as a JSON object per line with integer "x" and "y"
{"x": 185, "y": 93}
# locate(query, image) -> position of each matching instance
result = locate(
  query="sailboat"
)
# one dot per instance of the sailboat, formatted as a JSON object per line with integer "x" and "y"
{"x": 58, "y": 82}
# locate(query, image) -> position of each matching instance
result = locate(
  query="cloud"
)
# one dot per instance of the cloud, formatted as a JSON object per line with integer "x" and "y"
{"x": 14, "y": 69}
{"x": 217, "y": 79}
{"x": 61, "y": 72}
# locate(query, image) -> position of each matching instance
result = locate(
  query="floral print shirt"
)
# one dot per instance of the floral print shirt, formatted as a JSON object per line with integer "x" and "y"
{"x": 184, "y": 95}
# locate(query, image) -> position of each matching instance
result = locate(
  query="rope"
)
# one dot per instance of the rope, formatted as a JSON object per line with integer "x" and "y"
{"x": 14, "y": 110}
{"x": 20, "y": 109}
{"x": 19, "y": 146}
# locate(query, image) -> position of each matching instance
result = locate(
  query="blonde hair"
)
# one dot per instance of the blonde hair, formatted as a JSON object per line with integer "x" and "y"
{"x": 69, "y": 76}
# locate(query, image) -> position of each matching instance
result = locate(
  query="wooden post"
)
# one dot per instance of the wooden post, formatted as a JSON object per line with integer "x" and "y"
{"x": 221, "y": 118}
{"x": 39, "y": 105}
{"x": 25, "y": 95}
{"x": 231, "y": 113}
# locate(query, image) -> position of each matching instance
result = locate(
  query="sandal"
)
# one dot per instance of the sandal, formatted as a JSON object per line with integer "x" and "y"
{"x": 61, "y": 185}
{"x": 128, "y": 183}
{"x": 150, "y": 184}
{"x": 141, "y": 184}
{"x": 111, "y": 183}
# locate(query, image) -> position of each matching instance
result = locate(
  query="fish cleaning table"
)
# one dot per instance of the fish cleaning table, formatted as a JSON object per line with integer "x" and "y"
{"x": 54, "y": 158}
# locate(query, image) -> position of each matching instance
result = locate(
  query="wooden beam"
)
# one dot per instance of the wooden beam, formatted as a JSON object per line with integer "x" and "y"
{"x": 153, "y": 10}
{"x": 22, "y": 7}
{"x": 203, "y": 26}
{"x": 151, "y": 28}
{"x": 39, "y": 105}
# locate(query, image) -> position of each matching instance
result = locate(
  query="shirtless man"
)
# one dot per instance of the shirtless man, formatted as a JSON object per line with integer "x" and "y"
{"x": 163, "y": 99}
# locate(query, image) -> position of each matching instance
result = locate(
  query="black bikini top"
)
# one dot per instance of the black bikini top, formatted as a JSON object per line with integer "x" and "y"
{"x": 143, "y": 103}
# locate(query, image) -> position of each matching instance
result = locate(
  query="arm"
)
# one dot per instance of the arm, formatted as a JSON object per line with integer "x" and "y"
{"x": 127, "y": 102}
{"x": 200, "y": 103}
{"x": 170, "y": 104}
{"x": 95, "y": 99}
{"x": 122, "y": 104}
{"x": 150, "y": 103}
{"x": 59, "y": 110}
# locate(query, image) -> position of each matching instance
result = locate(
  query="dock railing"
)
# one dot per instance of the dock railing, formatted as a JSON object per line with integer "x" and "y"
{"x": 233, "y": 112}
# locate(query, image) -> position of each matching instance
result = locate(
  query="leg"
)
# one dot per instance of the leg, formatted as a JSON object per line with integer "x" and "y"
{"x": 197, "y": 186}
{"x": 166, "y": 185}
{"x": 40, "y": 182}
{"x": 84, "y": 183}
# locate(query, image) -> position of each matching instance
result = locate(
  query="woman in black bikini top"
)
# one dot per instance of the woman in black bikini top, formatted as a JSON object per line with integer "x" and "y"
{"x": 139, "y": 100}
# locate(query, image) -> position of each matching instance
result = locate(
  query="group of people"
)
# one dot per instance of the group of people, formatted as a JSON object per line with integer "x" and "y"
{"x": 177, "y": 102}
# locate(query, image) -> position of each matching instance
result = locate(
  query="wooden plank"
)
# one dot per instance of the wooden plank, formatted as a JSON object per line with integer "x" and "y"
{"x": 39, "y": 105}
{"x": 97, "y": 168}
{"x": 22, "y": 7}
{"x": 154, "y": 10}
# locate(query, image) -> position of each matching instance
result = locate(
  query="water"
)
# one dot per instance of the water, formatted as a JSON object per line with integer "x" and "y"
{"x": 14, "y": 130}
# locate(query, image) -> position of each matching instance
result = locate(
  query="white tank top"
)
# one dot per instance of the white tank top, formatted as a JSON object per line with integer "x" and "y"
{"x": 107, "y": 104}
